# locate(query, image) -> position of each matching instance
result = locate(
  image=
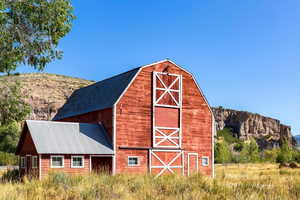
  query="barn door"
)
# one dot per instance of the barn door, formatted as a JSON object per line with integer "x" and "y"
{"x": 166, "y": 162}
{"x": 192, "y": 163}
{"x": 167, "y": 105}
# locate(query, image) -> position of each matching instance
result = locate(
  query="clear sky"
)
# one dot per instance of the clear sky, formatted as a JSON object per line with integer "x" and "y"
{"x": 244, "y": 54}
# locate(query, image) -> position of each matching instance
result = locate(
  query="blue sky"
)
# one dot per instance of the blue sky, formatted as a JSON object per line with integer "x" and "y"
{"x": 244, "y": 54}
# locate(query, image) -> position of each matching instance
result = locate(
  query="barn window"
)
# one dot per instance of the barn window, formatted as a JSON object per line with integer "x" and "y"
{"x": 23, "y": 161}
{"x": 77, "y": 162}
{"x": 57, "y": 161}
{"x": 205, "y": 161}
{"x": 34, "y": 161}
{"x": 133, "y": 161}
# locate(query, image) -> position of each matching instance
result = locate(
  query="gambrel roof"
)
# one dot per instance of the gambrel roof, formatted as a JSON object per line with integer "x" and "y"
{"x": 104, "y": 94}
{"x": 98, "y": 96}
{"x": 68, "y": 138}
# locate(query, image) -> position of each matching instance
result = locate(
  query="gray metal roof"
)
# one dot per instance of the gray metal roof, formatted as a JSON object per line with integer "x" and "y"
{"x": 69, "y": 138}
{"x": 100, "y": 95}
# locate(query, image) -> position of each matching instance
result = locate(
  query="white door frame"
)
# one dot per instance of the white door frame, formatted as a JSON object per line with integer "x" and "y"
{"x": 166, "y": 166}
{"x": 188, "y": 162}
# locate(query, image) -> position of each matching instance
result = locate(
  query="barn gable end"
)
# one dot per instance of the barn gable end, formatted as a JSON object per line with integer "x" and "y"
{"x": 136, "y": 116}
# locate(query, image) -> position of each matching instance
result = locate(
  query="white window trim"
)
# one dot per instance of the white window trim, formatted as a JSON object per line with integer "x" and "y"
{"x": 63, "y": 162}
{"x": 23, "y": 158}
{"x": 32, "y": 162}
{"x": 207, "y": 161}
{"x": 82, "y": 157}
{"x": 133, "y": 165}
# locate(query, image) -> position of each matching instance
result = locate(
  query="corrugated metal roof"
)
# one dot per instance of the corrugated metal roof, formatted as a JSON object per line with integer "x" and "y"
{"x": 69, "y": 138}
{"x": 100, "y": 95}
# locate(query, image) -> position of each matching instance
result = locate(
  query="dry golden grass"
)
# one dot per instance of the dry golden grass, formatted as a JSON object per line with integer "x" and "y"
{"x": 234, "y": 181}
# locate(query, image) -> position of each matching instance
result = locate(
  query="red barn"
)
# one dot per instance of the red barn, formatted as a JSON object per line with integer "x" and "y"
{"x": 154, "y": 118}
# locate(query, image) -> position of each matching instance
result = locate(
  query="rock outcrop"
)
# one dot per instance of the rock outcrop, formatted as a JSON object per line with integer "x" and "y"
{"x": 267, "y": 131}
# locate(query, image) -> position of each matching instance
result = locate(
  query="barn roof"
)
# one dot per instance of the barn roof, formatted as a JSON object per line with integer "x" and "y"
{"x": 69, "y": 138}
{"x": 98, "y": 96}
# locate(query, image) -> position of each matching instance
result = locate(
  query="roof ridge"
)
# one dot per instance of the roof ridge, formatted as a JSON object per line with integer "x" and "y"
{"x": 106, "y": 79}
{"x": 61, "y": 122}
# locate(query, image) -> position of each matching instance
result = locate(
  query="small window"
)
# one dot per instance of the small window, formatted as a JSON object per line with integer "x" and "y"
{"x": 205, "y": 161}
{"x": 57, "y": 161}
{"x": 77, "y": 162}
{"x": 23, "y": 161}
{"x": 133, "y": 161}
{"x": 34, "y": 161}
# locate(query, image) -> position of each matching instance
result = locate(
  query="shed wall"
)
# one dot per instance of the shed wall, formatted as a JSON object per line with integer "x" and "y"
{"x": 46, "y": 165}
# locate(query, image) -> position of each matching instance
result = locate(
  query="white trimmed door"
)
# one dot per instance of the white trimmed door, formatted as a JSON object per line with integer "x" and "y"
{"x": 166, "y": 162}
{"x": 192, "y": 161}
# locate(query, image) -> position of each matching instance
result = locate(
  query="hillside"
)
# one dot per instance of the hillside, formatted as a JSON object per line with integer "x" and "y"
{"x": 46, "y": 93}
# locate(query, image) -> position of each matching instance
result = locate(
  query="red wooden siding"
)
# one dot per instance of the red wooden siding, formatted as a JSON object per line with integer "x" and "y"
{"x": 122, "y": 165}
{"x": 167, "y": 117}
{"x": 46, "y": 165}
{"x": 101, "y": 116}
{"x": 134, "y": 118}
{"x": 27, "y": 145}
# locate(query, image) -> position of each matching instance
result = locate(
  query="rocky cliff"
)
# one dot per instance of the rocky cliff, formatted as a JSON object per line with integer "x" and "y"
{"x": 267, "y": 131}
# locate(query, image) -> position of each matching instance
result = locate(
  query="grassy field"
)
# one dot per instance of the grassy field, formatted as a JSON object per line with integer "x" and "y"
{"x": 236, "y": 181}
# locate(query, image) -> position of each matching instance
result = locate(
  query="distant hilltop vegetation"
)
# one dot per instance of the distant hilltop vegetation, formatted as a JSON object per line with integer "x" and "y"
{"x": 46, "y": 93}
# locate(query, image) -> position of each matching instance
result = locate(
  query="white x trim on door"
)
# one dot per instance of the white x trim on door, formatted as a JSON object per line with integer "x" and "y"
{"x": 174, "y": 135}
{"x": 166, "y": 166}
{"x": 167, "y": 90}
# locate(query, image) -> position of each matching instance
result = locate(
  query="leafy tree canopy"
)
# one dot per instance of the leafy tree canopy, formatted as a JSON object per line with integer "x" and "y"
{"x": 30, "y": 31}
{"x": 13, "y": 110}
{"x": 12, "y": 105}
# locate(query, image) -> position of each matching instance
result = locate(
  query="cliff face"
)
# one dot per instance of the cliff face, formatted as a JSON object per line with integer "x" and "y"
{"x": 267, "y": 131}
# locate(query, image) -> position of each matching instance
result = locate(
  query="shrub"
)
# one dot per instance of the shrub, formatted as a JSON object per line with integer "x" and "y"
{"x": 270, "y": 155}
{"x": 227, "y": 134}
{"x": 296, "y": 155}
{"x": 10, "y": 176}
{"x": 58, "y": 178}
{"x": 250, "y": 152}
{"x": 286, "y": 153}
{"x": 238, "y": 146}
{"x": 222, "y": 152}
{"x": 8, "y": 159}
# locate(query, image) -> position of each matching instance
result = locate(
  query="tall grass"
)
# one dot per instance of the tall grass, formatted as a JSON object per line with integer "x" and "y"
{"x": 243, "y": 181}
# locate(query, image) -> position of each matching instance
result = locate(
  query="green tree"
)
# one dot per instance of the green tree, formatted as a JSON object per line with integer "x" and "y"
{"x": 270, "y": 155}
{"x": 286, "y": 153}
{"x": 12, "y": 105}
{"x": 222, "y": 152}
{"x": 31, "y": 30}
{"x": 13, "y": 110}
{"x": 250, "y": 152}
{"x": 227, "y": 135}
